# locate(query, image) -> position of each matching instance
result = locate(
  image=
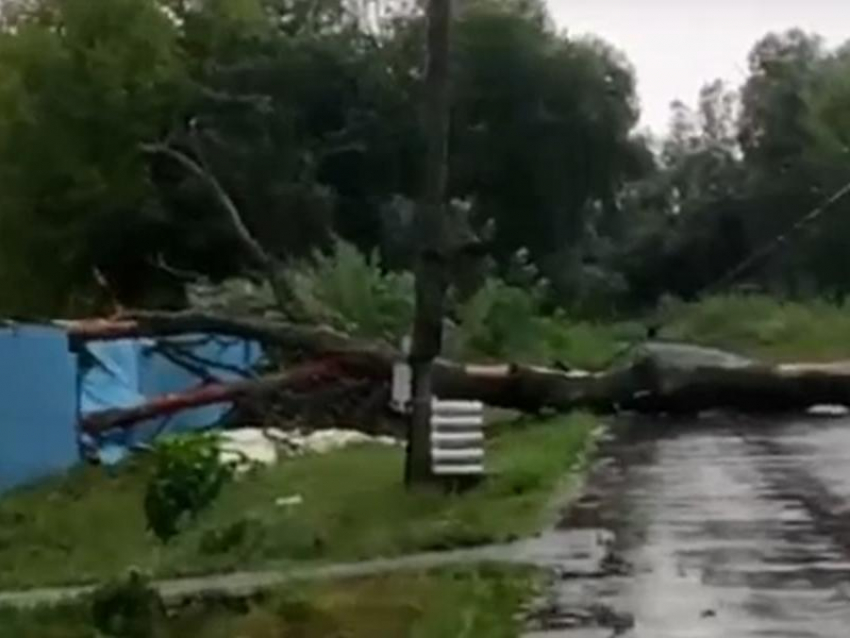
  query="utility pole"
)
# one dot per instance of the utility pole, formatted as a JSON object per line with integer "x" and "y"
{"x": 432, "y": 234}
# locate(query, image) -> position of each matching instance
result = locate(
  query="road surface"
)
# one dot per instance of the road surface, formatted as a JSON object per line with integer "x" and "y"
{"x": 723, "y": 527}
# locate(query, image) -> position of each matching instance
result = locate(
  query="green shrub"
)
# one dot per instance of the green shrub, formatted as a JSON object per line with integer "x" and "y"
{"x": 506, "y": 323}
{"x": 188, "y": 476}
{"x": 129, "y": 608}
{"x": 349, "y": 291}
{"x": 502, "y": 322}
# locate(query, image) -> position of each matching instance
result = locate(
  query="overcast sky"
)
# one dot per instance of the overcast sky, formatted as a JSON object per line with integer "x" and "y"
{"x": 678, "y": 45}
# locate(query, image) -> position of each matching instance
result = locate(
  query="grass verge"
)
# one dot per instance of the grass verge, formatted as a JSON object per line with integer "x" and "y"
{"x": 764, "y": 327}
{"x": 91, "y": 526}
{"x": 476, "y": 601}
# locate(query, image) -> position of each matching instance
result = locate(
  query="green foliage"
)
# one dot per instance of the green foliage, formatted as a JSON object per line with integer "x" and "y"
{"x": 506, "y": 323}
{"x": 81, "y": 87}
{"x": 91, "y": 526}
{"x": 129, "y": 608}
{"x": 530, "y": 150}
{"x": 306, "y": 113}
{"x": 734, "y": 180}
{"x": 828, "y": 120}
{"x": 348, "y": 290}
{"x": 307, "y": 124}
{"x": 501, "y": 322}
{"x": 188, "y": 476}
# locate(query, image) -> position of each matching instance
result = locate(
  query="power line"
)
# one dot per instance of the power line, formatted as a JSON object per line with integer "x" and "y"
{"x": 776, "y": 243}
{"x": 741, "y": 267}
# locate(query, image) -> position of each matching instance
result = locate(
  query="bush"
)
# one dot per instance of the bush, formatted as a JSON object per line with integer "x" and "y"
{"x": 129, "y": 608}
{"x": 502, "y": 322}
{"x": 188, "y": 476}
{"x": 506, "y": 323}
{"x": 349, "y": 291}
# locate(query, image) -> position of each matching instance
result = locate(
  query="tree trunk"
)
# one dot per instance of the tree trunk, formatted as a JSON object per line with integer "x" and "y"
{"x": 431, "y": 270}
{"x": 641, "y": 387}
{"x": 660, "y": 378}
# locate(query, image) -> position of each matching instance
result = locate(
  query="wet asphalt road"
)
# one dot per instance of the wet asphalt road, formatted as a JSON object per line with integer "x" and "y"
{"x": 723, "y": 527}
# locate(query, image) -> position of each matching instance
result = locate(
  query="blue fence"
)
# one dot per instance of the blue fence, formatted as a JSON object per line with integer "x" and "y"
{"x": 44, "y": 388}
{"x": 38, "y": 404}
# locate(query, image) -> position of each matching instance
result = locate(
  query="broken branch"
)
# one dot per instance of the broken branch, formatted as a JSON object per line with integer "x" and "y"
{"x": 293, "y": 380}
{"x": 255, "y": 250}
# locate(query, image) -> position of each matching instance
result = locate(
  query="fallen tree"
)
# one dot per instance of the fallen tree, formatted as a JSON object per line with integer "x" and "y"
{"x": 297, "y": 380}
{"x": 656, "y": 378}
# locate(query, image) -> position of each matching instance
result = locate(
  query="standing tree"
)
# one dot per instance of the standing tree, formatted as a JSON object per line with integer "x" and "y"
{"x": 432, "y": 267}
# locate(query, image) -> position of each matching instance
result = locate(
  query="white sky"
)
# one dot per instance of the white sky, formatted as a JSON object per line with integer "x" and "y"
{"x": 677, "y": 46}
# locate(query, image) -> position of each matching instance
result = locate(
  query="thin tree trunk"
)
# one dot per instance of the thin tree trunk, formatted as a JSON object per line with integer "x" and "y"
{"x": 431, "y": 272}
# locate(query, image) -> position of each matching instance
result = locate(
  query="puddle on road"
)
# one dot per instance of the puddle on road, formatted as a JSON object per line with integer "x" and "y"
{"x": 725, "y": 527}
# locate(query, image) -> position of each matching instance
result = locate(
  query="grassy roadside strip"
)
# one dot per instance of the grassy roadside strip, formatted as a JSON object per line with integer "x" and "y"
{"x": 762, "y": 326}
{"x": 474, "y": 601}
{"x": 90, "y": 526}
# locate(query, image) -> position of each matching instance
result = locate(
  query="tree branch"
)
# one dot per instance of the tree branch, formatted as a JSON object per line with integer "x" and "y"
{"x": 264, "y": 260}
{"x": 252, "y": 246}
{"x": 311, "y": 341}
{"x": 168, "y": 404}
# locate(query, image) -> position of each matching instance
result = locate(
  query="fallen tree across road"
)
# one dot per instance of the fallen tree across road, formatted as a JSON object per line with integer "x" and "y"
{"x": 659, "y": 377}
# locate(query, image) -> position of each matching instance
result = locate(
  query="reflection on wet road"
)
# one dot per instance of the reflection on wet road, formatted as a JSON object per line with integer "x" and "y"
{"x": 730, "y": 528}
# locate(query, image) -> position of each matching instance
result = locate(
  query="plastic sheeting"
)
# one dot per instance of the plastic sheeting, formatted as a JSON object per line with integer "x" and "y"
{"x": 126, "y": 373}
{"x": 38, "y": 404}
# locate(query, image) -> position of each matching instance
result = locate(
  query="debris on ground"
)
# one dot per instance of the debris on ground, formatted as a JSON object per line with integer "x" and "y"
{"x": 247, "y": 447}
{"x": 298, "y": 442}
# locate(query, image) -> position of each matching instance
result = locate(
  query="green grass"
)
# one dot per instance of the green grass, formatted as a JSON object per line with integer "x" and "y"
{"x": 66, "y": 621}
{"x": 91, "y": 526}
{"x": 479, "y": 601}
{"x": 763, "y": 327}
